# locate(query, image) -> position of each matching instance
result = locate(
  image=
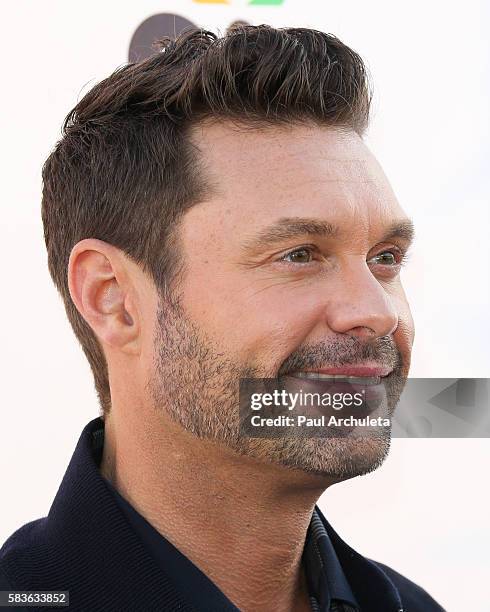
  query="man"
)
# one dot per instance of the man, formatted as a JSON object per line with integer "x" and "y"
{"x": 212, "y": 214}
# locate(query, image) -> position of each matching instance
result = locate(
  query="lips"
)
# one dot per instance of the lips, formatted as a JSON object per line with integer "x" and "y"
{"x": 359, "y": 380}
{"x": 369, "y": 392}
{"x": 364, "y": 374}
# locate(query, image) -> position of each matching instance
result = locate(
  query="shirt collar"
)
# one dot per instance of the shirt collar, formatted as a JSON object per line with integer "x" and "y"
{"x": 325, "y": 576}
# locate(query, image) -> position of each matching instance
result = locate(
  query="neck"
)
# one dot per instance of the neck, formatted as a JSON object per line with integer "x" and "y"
{"x": 231, "y": 515}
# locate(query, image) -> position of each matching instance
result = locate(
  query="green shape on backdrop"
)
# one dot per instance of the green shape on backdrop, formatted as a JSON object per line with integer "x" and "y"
{"x": 276, "y": 2}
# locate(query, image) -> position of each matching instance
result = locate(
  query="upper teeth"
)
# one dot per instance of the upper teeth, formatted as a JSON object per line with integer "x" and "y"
{"x": 366, "y": 380}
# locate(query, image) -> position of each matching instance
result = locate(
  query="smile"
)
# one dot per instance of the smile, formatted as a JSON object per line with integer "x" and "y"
{"x": 359, "y": 380}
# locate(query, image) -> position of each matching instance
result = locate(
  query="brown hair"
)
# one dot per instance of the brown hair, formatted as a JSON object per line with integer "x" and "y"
{"x": 124, "y": 170}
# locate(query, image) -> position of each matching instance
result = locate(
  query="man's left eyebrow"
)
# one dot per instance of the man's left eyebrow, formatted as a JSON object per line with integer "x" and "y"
{"x": 403, "y": 229}
{"x": 290, "y": 227}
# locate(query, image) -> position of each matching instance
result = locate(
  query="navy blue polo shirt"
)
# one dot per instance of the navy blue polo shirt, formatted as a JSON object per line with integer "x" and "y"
{"x": 327, "y": 585}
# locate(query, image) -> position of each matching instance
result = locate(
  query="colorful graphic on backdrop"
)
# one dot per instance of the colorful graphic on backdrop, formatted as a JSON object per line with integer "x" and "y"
{"x": 264, "y": 2}
{"x": 170, "y": 24}
{"x": 152, "y": 29}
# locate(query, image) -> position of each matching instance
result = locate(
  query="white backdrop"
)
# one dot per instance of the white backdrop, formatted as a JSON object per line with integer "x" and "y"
{"x": 425, "y": 512}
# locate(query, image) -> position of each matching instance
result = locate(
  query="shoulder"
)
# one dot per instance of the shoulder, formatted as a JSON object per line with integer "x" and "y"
{"x": 15, "y": 550}
{"x": 5, "y": 585}
{"x": 18, "y": 551}
{"x": 414, "y": 597}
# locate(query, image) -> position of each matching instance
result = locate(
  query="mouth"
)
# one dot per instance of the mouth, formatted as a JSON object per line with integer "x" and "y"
{"x": 356, "y": 375}
{"x": 355, "y": 380}
{"x": 370, "y": 381}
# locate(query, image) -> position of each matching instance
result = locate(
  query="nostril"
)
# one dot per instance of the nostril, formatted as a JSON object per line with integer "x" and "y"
{"x": 363, "y": 332}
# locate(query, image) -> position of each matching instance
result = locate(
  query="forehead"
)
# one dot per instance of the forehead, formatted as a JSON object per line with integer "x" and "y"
{"x": 297, "y": 170}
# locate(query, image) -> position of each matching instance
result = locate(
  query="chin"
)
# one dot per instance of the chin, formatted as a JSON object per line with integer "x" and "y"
{"x": 338, "y": 458}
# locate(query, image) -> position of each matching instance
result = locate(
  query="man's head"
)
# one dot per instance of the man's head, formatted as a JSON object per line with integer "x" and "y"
{"x": 212, "y": 213}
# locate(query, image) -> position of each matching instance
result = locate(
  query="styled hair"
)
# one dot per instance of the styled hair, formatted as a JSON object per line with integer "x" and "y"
{"x": 124, "y": 170}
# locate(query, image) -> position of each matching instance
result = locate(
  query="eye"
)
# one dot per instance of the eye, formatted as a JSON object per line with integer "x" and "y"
{"x": 385, "y": 258}
{"x": 390, "y": 258}
{"x": 302, "y": 255}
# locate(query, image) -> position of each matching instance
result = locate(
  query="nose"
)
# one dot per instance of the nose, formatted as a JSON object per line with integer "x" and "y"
{"x": 361, "y": 306}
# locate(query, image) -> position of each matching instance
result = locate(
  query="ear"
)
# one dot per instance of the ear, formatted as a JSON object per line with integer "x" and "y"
{"x": 99, "y": 284}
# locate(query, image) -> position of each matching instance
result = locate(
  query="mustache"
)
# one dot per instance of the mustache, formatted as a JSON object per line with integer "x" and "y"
{"x": 344, "y": 351}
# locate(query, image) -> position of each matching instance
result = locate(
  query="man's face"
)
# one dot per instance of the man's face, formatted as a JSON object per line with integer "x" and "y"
{"x": 293, "y": 264}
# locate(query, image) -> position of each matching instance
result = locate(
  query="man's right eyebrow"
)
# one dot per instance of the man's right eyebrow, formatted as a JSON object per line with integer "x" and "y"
{"x": 290, "y": 227}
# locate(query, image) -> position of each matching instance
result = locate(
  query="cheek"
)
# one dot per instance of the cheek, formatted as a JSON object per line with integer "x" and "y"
{"x": 405, "y": 333}
{"x": 275, "y": 327}
{"x": 257, "y": 326}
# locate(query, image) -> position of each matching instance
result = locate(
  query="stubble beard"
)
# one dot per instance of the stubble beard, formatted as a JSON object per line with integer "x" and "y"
{"x": 197, "y": 386}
